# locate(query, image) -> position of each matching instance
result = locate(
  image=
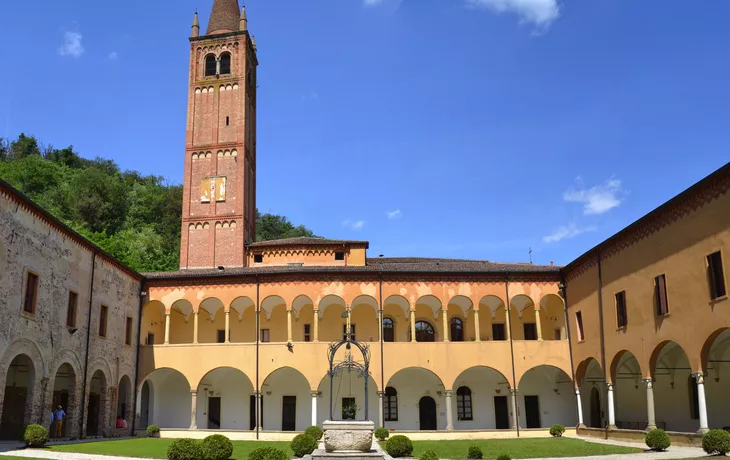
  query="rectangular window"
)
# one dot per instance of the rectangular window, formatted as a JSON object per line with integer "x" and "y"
{"x": 621, "y": 318}
{"x": 579, "y": 324}
{"x": 716, "y": 275}
{"x": 220, "y": 336}
{"x": 463, "y": 404}
{"x": 344, "y": 331}
{"x": 150, "y": 338}
{"x": 498, "y": 332}
{"x": 349, "y": 409}
{"x": 390, "y": 405}
{"x": 265, "y": 336}
{"x": 558, "y": 334}
{"x": 258, "y": 258}
{"x": 103, "y": 313}
{"x": 73, "y": 300}
{"x": 128, "y": 332}
{"x": 31, "y": 293}
{"x": 339, "y": 256}
{"x": 530, "y": 331}
{"x": 694, "y": 400}
{"x": 307, "y": 333}
{"x": 660, "y": 295}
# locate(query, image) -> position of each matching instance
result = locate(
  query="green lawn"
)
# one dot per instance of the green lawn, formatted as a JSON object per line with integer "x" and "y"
{"x": 520, "y": 448}
{"x": 156, "y": 448}
{"x": 9, "y": 457}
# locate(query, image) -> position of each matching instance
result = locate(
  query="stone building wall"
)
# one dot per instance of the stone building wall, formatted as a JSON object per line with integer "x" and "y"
{"x": 42, "y": 356}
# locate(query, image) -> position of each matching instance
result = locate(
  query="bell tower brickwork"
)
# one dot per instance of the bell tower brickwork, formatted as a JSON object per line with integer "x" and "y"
{"x": 219, "y": 188}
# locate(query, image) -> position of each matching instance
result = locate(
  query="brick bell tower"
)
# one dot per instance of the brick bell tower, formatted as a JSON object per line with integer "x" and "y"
{"x": 219, "y": 189}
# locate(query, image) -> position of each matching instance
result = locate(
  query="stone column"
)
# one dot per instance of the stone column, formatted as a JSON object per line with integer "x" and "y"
{"x": 288, "y": 326}
{"x": 194, "y": 411}
{"x": 513, "y": 408}
{"x": 449, "y": 412}
{"x": 651, "y": 417}
{"x": 580, "y": 408}
{"x": 167, "y": 328}
{"x": 477, "y": 333}
{"x": 508, "y": 326}
{"x": 445, "y": 318}
{"x": 381, "y": 419}
{"x": 611, "y": 408}
{"x": 195, "y": 327}
{"x": 538, "y": 324}
{"x": 316, "y": 325}
{"x": 314, "y": 407}
{"x": 260, "y": 402}
{"x": 413, "y": 326}
{"x": 228, "y": 326}
{"x": 702, "y": 403}
{"x": 380, "y": 326}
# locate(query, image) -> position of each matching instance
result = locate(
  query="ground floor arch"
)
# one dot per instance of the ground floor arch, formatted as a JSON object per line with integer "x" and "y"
{"x": 18, "y": 398}
{"x": 716, "y": 379}
{"x": 165, "y": 400}
{"x": 348, "y": 393}
{"x": 64, "y": 394}
{"x": 674, "y": 389}
{"x": 286, "y": 403}
{"x": 629, "y": 392}
{"x": 124, "y": 402}
{"x": 224, "y": 401}
{"x": 545, "y": 397}
{"x": 96, "y": 406}
{"x": 592, "y": 386}
{"x": 480, "y": 400}
{"x": 412, "y": 385}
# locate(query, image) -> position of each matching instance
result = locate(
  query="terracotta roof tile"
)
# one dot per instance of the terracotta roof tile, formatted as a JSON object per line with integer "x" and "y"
{"x": 224, "y": 17}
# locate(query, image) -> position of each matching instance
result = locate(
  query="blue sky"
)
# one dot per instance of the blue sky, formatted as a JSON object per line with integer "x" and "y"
{"x": 451, "y": 128}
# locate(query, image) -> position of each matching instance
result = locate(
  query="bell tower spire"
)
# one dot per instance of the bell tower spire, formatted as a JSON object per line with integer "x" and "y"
{"x": 219, "y": 187}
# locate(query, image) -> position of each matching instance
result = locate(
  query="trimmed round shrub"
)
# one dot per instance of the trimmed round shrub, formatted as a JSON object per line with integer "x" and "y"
{"x": 399, "y": 446}
{"x": 658, "y": 440}
{"x": 268, "y": 453}
{"x": 429, "y": 455}
{"x": 504, "y": 457}
{"x": 315, "y": 432}
{"x": 303, "y": 444}
{"x": 217, "y": 447}
{"x": 152, "y": 430}
{"x": 35, "y": 436}
{"x": 716, "y": 442}
{"x": 556, "y": 431}
{"x": 475, "y": 453}
{"x": 185, "y": 449}
{"x": 382, "y": 434}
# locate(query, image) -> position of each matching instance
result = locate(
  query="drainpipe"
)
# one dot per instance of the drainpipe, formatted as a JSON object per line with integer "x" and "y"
{"x": 86, "y": 354}
{"x": 382, "y": 339}
{"x": 564, "y": 291}
{"x": 603, "y": 339}
{"x": 136, "y": 364}
{"x": 257, "y": 399}
{"x": 512, "y": 355}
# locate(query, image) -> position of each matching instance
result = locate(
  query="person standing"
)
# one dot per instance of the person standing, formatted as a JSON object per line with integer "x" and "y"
{"x": 59, "y": 416}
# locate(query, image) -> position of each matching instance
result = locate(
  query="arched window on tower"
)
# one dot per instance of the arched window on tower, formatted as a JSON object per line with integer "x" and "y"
{"x": 463, "y": 404}
{"x": 457, "y": 330}
{"x": 388, "y": 330}
{"x": 390, "y": 405}
{"x": 210, "y": 65}
{"x": 225, "y": 63}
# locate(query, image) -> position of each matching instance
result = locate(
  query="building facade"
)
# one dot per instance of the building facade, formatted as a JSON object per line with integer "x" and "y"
{"x": 631, "y": 335}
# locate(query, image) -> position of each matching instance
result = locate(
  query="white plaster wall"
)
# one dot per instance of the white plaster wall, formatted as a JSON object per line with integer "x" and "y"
{"x": 630, "y": 401}
{"x": 286, "y": 382}
{"x": 347, "y": 385}
{"x": 585, "y": 394}
{"x": 555, "y": 407}
{"x": 484, "y": 384}
{"x": 412, "y": 384}
{"x": 718, "y": 401}
{"x": 235, "y": 390}
{"x": 672, "y": 406}
{"x": 172, "y": 401}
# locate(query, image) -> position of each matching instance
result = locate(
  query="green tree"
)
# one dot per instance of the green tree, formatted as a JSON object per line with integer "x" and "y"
{"x": 24, "y": 146}
{"x": 274, "y": 227}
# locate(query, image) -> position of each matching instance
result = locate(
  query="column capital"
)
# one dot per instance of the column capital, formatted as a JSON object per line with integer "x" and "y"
{"x": 649, "y": 383}
{"x": 513, "y": 392}
{"x": 315, "y": 394}
{"x": 577, "y": 391}
{"x": 167, "y": 313}
{"x": 194, "y": 392}
{"x": 448, "y": 393}
{"x": 609, "y": 385}
{"x": 381, "y": 394}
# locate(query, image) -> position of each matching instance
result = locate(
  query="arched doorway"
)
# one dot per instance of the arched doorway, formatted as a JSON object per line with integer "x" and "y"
{"x": 427, "y": 413}
{"x": 410, "y": 385}
{"x": 716, "y": 365}
{"x": 486, "y": 407}
{"x": 168, "y": 401}
{"x": 595, "y": 408}
{"x": 546, "y": 397}
{"x": 675, "y": 390}
{"x": 124, "y": 401}
{"x": 286, "y": 401}
{"x": 144, "y": 413}
{"x": 96, "y": 413}
{"x": 629, "y": 392}
{"x": 64, "y": 395}
{"x": 425, "y": 332}
{"x": 224, "y": 400}
{"x": 18, "y": 398}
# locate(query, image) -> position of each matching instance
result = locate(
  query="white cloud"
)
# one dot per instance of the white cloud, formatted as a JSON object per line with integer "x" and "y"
{"x": 598, "y": 199}
{"x": 71, "y": 45}
{"x": 539, "y": 12}
{"x": 567, "y": 231}
{"x": 353, "y": 224}
{"x": 113, "y": 56}
{"x": 394, "y": 214}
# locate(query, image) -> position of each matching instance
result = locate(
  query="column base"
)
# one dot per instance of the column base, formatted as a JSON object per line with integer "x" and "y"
{"x": 581, "y": 425}
{"x": 703, "y": 431}
{"x": 650, "y": 427}
{"x": 450, "y": 428}
{"x": 612, "y": 428}
{"x": 193, "y": 427}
